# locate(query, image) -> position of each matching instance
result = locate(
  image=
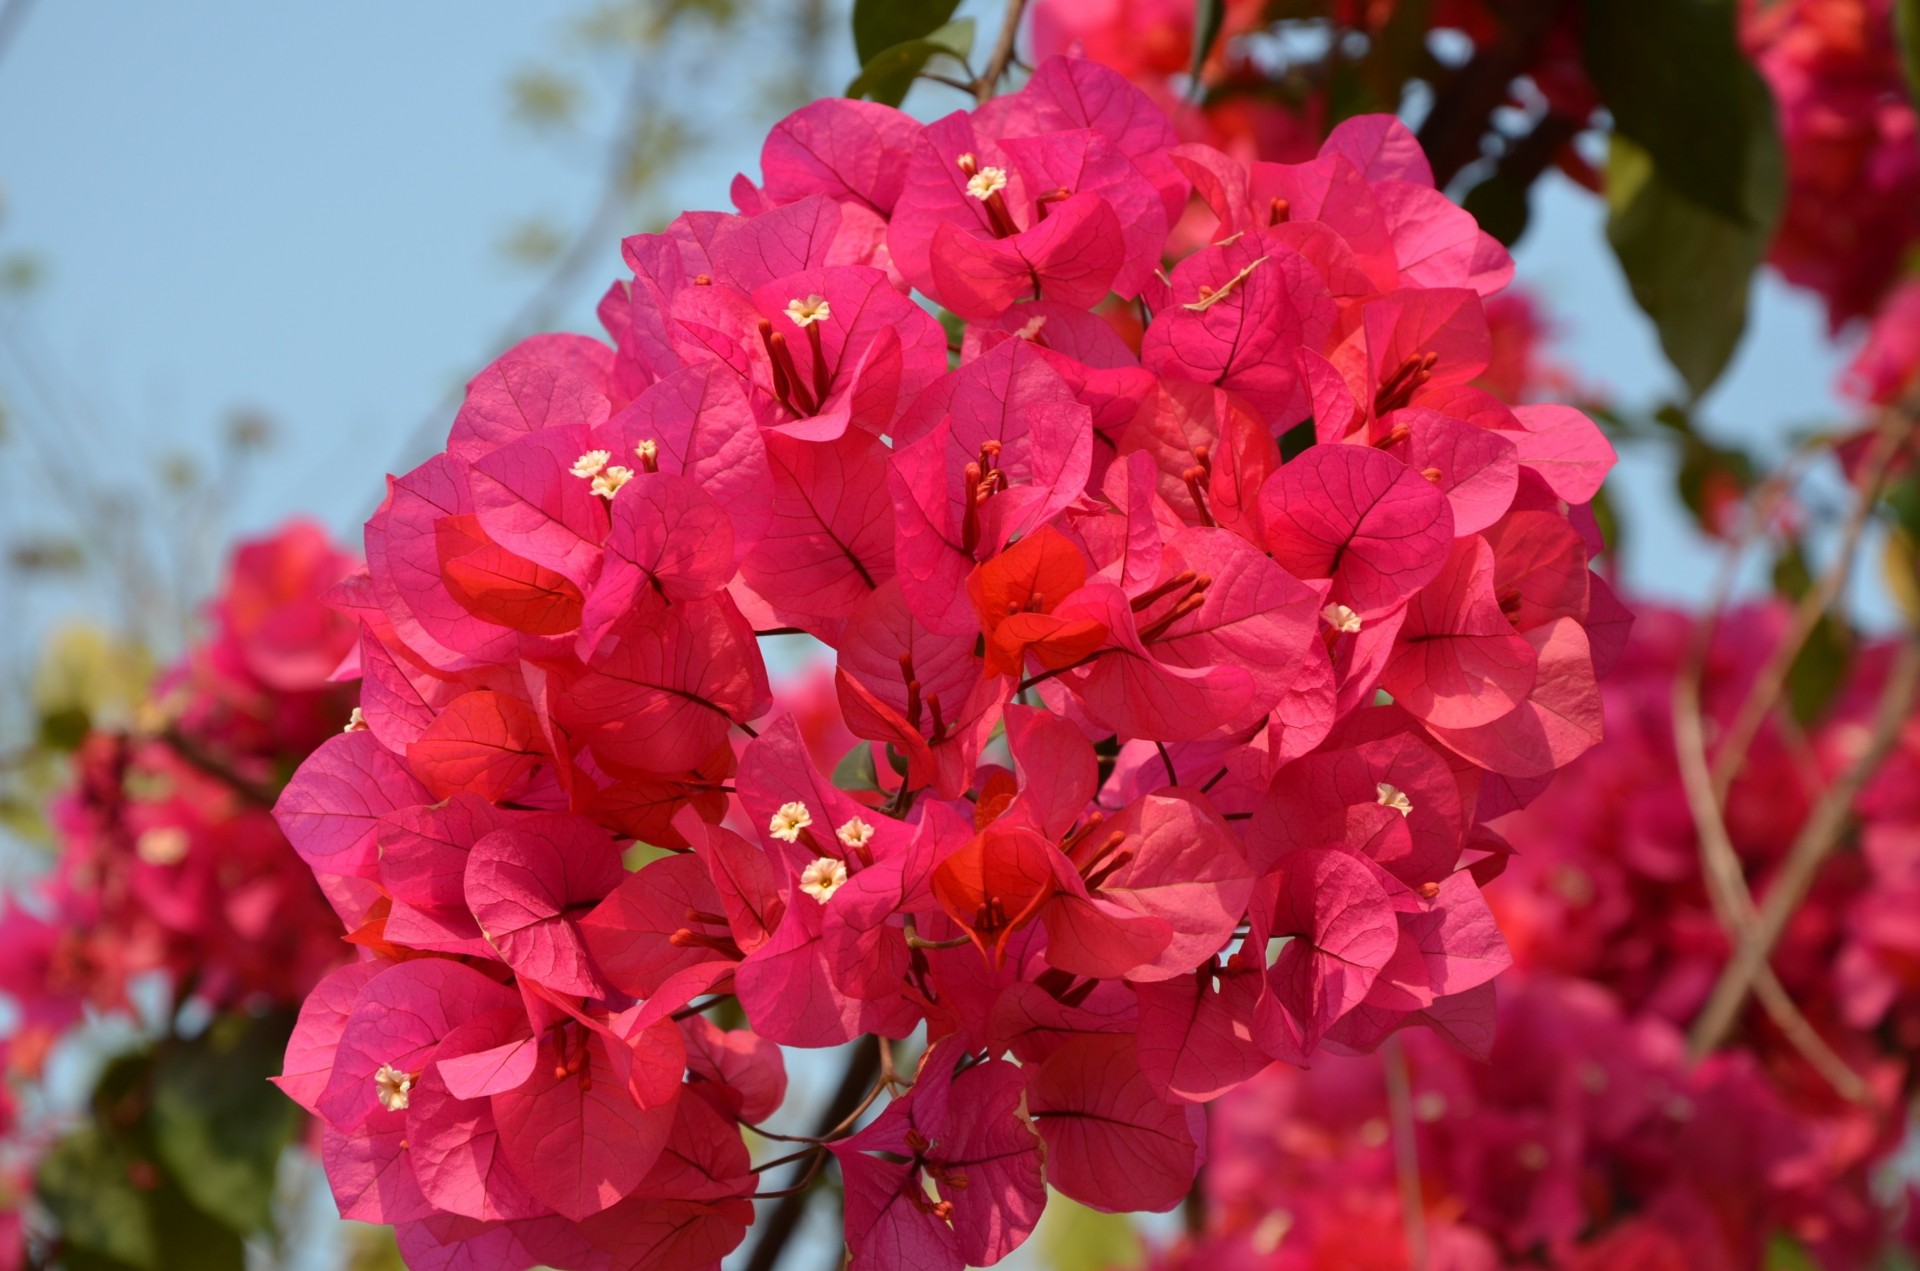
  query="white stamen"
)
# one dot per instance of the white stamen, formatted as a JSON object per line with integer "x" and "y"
{"x": 809, "y": 311}
{"x": 789, "y": 821}
{"x": 393, "y": 1087}
{"x": 163, "y": 845}
{"x": 1341, "y": 619}
{"x": 589, "y": 464}
{"x": 608, "y": 483}
{"x": 986, "y": 183}
{"x": 1393, "y": 797}
{"x": 855, "y": 833}
{"x": 823, "y": 878}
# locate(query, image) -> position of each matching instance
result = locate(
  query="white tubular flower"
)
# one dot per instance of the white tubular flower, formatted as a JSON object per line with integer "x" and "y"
{"x": 1341, "y": 619}
{"x": 589, "y": 464}
{"x": 789, "y": 821}
{"x": 608, "y": 483}
{"x": 1394, "y": 797}
{"x": 986, "y": 183}
{"x": 356, "y": 722}
{"x": 809, "y": 311}
{"x": 823, "y": 878}
{"x": 394, "y": 1088}
{"x": 856, "y": 833}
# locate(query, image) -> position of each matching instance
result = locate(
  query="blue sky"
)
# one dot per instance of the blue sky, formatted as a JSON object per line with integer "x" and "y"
{"x": 299, "y": 209}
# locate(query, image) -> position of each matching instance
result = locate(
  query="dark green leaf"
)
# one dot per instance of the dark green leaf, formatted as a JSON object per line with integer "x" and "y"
{"x": 1208, "y": 17}
{"x": 1499, "y": 203}
{"x": 889, "y": 74}
{"x": 218, "y": 1125}
{"x": 879, "y": 25}
{"x": 1295, "y": 440}
{"x": 1672, "y": 74}
{"x": 1690, "y": 266}
{"x": 1906, "y": 25}
{"x": 856, "y": 770}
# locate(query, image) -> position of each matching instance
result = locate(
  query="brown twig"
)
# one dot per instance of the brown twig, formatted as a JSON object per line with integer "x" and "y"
{"x": 1816, "y": 840}
{"x": 989, "y": 81}
{"x": 863, "y": 1066}
{"x": 1720, "y": 865}
{"x": 1772, "y": 680}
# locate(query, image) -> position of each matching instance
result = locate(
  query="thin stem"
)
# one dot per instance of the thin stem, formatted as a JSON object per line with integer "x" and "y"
{"x": 1166, "y": 760}
{"x": 1816, "y": 840}
{"x": 1406, "y": 1151}
{"x": 989, "y": 80}
{"x": 863, "y": 1065}
{"x": 1772, "y": 680}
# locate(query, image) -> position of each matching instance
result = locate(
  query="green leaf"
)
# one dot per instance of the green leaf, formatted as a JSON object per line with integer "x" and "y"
{"x": 879, "y": 25}
{"x": 217, "y": 1124}
{"x": 1672, "y": 74}
{"x": 1906, "y": 26}
{"x": 856, "y": 770}
{"x": 888, "y": 75}
{"x": 1499, "y": 203}
{"x": 86, "y": 1183}
{"x": 1690, "y": 266}
{"x": 1208, "y": 17}
{"x": 1073, "y": 1237}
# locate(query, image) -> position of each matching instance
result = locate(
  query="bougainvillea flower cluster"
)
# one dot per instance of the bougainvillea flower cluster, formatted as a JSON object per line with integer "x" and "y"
{"x": 1853, "y": 147}
{"x": 1191, "y": 608}
{"x": 170, "y": 860}
{"x": 1580, "y": 1135}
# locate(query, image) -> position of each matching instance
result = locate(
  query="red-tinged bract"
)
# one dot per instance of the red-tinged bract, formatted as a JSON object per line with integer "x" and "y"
{"x": 1153, "y": 653}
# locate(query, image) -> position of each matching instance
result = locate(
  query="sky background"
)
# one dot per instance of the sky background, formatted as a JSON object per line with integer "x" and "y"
{"x": 299, "y": 210}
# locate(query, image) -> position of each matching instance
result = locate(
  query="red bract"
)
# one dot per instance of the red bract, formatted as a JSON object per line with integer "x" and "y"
{"x": 1103, "y": 555}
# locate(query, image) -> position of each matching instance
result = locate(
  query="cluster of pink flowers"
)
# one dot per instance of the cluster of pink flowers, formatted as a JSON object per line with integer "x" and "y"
{"x": 1853, "y": 147}
{"x": 1154, "y": 697}
{"x": 170, "y": 861}
{"x": 1589, "y": 1140}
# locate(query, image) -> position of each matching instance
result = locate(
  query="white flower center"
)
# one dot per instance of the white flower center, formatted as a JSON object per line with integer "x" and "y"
{"x": 986, "y": 183}
{"x": 589, "y": 464}
{"x": 1341, "y": 619}
{"x": 809, "y": 311}
{"x": 1031, "y": 330}
{"x": 856, "y": 833}
{"x": 393, "y": 1087}
{"x": 611, "y": 478}
{"x": 356, "y": 722}
{"x": 647, "y": 451}
{"x": 1394, "y": 797}
{"x": 823, "y": 878}
{"x": 789, "y": 821}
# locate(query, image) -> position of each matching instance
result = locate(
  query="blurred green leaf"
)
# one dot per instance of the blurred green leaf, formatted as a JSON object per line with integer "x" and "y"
{"x": 1784, "y": 1253}
{"x": 1691, "y": 267}
{"x": 1208, "y": 17}
{"x": 218, "y": 1124}
{"x": 890, "y": 74}
{"x": 1674, "y": 77}
{"x": 856, "y": 770}
{"x": 1073, "y": 1237}
{"x": 543, "y": 99}
{"x": 1906, "y": 25}
{"x": 881, "y": 25}
{"x": 1499, "y": 203}
{"x": 86, "y": 1183}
